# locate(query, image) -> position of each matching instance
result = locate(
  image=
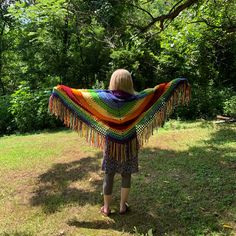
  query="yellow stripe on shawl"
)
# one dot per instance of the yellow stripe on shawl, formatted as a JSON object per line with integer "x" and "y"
{"x": 104, "y": 114}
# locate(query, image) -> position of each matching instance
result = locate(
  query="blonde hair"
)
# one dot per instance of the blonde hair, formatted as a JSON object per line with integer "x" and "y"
{"x": 121, "y": 80}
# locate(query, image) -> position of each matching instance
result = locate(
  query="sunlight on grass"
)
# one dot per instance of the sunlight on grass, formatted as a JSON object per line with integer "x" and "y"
{"x": 50, "y": 184}
{"x": 30, "y": 150}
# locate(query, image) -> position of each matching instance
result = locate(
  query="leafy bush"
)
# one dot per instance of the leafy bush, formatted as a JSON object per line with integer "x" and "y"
{"x": 43, "y": 118}
{"x": 23, "y": 108}
{"x": 30, "y": 109}
{"x": 206, "y": 102}
{"x": 98, "y": 85}
{"x": 230, "y": 106}
{"x": 6, "y": 118}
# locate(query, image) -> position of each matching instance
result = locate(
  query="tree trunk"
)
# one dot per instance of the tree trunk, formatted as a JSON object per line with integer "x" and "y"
{"x": 64, "y": 62}
{"x": 1, "y": 59}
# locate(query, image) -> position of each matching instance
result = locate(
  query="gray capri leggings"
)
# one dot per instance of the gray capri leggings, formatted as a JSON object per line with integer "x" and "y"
{"x": 108, "y": 182}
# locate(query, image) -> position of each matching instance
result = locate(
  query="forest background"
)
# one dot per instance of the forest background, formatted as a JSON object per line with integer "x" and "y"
{"x": 80, "y": 43}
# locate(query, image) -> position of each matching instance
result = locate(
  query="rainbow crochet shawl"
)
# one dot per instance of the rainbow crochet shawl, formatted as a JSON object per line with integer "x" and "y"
{"x": 121, "y": 124}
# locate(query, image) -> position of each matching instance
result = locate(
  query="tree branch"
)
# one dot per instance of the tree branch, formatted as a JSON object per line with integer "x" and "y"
{"x": 175, "y": 6}
{"x": 173, "y": 13}
{"x": 229, "y": 28}
{"x": 142, "y": 9}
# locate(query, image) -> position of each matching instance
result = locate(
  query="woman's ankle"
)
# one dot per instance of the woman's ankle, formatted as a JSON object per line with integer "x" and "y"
{"x": 106, "y": 209}
{"x": 122, "y": 206}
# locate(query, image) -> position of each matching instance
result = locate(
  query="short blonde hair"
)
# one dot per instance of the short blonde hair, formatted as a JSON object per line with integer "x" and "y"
{"x": 121, "y": 80}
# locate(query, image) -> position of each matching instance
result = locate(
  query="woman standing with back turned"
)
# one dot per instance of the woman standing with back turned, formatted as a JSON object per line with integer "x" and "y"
{"x": 118, "y": 121}
{"x": 121, "y": 85}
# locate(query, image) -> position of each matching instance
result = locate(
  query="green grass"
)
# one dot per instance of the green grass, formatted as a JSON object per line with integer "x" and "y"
{"x": 50, "y": 184}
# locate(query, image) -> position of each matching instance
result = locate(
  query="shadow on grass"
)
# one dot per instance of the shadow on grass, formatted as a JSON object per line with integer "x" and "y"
{"x": 16, "y": 234}
{"x": 55, "y": 191}
{"x": 179, "y": 193}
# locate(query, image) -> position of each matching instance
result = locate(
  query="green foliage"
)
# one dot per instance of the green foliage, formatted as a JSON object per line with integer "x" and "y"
{"x": 6, "y": 123}
{"x": 23, "y": 108}
{"x": 149, "y": 233}
{"x": 80, "y": 43}
{"x": 230, "y": 106}
{"x": 205, "y": 57}
{"x": 30, "y": 109}
{"x": 43, "y": 118}
{"x": 98, "y": 85}
{"x": 206, "y": 102}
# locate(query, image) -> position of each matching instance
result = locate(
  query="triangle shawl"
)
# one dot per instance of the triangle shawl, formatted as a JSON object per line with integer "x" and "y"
{"x": 120, "y": 125}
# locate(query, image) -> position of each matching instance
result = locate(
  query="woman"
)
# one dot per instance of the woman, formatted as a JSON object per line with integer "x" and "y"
{"x": 121, "y": 85}
{"x": 119, "y": 121}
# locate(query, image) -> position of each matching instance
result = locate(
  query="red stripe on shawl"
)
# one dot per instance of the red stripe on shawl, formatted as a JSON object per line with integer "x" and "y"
{"x": 120, "y": 125}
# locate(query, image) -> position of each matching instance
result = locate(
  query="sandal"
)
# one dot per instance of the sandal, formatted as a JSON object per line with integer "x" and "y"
{"x": 105, "y": 213}
{"x": 126, "y": 209}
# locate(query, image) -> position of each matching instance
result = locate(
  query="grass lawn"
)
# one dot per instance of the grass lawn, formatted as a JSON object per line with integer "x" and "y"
{"x": 50, "y": 184}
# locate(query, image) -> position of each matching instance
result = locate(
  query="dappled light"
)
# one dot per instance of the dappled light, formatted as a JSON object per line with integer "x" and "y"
{"x": 182, "y": 187}
{"x": 93, "y": 88}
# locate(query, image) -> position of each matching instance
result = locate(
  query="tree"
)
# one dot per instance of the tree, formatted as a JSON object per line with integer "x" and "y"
{"x": 79, "y": 43}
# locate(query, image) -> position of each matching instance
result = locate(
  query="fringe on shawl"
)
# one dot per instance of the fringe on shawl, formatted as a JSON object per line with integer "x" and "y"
{"x": 120, "y": 151}
{"x": 180, "y": 96}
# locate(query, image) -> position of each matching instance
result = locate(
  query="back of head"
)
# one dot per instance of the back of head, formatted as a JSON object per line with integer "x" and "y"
{"x": 121, "y": 80}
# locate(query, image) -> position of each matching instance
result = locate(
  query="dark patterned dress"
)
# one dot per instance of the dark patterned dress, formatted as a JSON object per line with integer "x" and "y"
{"x": 110, "y": 165}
